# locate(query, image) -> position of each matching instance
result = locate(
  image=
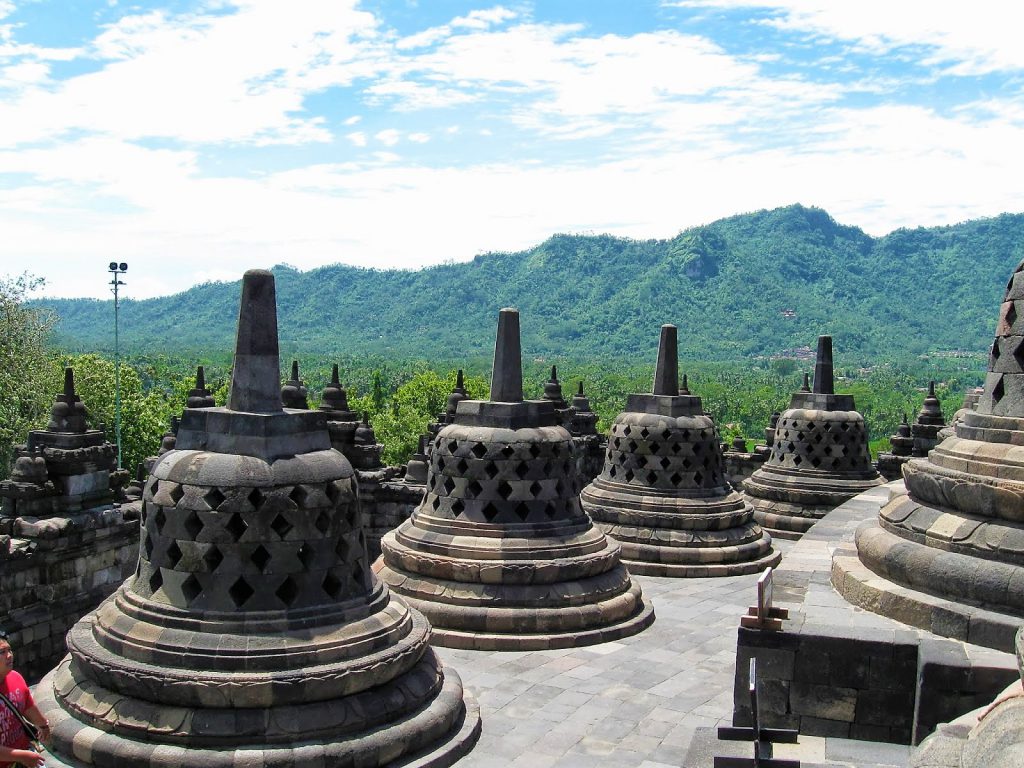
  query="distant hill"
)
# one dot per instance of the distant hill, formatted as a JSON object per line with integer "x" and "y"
{"x": 753, "y": 284}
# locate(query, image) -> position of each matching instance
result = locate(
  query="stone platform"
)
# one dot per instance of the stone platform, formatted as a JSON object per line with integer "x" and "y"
{"x": 839, "y": 670}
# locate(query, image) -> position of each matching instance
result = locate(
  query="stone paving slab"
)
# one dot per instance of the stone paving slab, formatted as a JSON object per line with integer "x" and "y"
{"x": 637, "y": 701}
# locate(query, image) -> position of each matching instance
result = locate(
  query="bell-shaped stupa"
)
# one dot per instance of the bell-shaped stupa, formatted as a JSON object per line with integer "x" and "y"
{"x": 663, "y": 494}
{"x": 499, "y": 554}
{"x": 819, "y": 456}
{"x": 294, "y": 393}
{"x": 253, "y": 631}
{"x": 958, "y": 531}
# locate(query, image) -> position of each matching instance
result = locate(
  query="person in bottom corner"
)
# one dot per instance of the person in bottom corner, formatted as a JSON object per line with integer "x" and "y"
{"x": 15, "y": 747}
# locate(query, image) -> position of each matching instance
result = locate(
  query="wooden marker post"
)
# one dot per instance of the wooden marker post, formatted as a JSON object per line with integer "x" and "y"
{"x": 764, "y": 615}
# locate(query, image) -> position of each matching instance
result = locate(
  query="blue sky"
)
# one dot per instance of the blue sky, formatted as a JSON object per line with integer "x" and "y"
{"x": 194, "y": 140}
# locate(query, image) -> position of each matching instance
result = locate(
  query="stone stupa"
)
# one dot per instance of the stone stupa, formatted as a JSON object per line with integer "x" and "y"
{"x": 819, "y": 456}
{"x": 253, "y": 631}
{"x": 499, "y": 554}
{"x": 663, "y": 494}
{"x": 957, "y": 533}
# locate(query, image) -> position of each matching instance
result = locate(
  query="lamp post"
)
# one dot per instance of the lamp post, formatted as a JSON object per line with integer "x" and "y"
{"x": 116, "y": 270}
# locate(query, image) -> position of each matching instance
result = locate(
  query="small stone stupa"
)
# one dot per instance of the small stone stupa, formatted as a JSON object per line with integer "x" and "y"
{"x": 64, "y": 468}
{"x": 929, "y": 422}
{"x": 253, "y": 632}
{"x": 499, "y": 554}
{"x": 663, "y": 494}
{"x": 957, "y": 533}
{"x": 819, "y": 456}
{"x": 294, "y": 393}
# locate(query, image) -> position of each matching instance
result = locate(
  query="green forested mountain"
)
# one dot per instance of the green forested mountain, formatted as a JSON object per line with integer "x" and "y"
{"x": 754, "y": 284}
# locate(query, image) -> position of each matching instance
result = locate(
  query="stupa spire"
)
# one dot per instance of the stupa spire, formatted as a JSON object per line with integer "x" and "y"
{"x": 255, "y": 387}
{"x": 199, "y": 396}
{"x": 507, "y": 375}
{"x": 666, "y": 374}
{"x": 824, "y": 383}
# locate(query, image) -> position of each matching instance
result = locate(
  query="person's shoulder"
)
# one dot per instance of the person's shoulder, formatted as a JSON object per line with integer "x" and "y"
{"x": 14, "y": 680}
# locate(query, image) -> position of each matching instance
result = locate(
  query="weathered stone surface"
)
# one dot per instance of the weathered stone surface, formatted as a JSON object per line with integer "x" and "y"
{"x": 663, "y": 494}
{"x": 253, "y": 631}
{"x": 819, "y": 457}
{"x": 500, "y": 554}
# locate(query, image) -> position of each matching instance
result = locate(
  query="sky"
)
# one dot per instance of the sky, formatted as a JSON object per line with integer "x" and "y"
{"x": 195, "y": 140}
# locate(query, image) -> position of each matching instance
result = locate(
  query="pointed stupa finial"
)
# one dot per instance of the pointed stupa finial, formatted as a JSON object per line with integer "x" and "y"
{"x": 553, "y": 389}
{"x": 199, "y": 396}
{"x": 335, "y": 381}
{"x": 666, "y": 374}
{"x": 579, "y": 392}
{"x": 823, "y": 380}
{"x": 931, "y": 388}
{"x": 554, "y": 374}
{"x": 255, "y": 386}
{"x": 460, "y": 380}
{"x": 807, "y": 383}
{"x": 69, "y": 384}
{"x": 507, "y": 375}
{"x": 685, "y": 389}
{"x": 295, "y": 370}
{"x": 457, "y": 395}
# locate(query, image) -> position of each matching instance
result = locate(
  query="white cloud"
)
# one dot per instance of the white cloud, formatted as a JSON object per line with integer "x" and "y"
{"x": 484, "y": 19}
{"x": 966, "y": 38}
{"x": 388, "y": 137}
{"x": 419, "y": 138}
{"x": 352, "y": 120}
{"x": 358, "y": 138}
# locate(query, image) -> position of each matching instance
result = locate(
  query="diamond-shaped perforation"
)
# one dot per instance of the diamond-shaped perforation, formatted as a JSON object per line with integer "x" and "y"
{"x": 551, "y": 510}
{"x": 177, "y": 492}
{"x": 508, "y": 451}
{"x": 331, "y": 586}
{"x": 504, "y": 489}
{"x": 448, "y": 486}
{"x": 147, "y": 545}
{"x": 490, "y": 512}
{"x": 522, "y": 511}
{"x": 1011, "y": 313}
{"x": 260, "y": 557}
{"x": 698, "y": 478}
{"x": 240, "y": 592}
{"x": 631, "y": 446}
{"x": 536, "y": 489}
{"x": 156, "y": 580}
{"x": 665, "y": 462}
{"x": 236, "y": 526}
{"x": 298, "y": 496}
{"x": 628, "y": 476}
{"x": 625, "y": 431}
{"x": 191, "y": 589}
{"x": 473, "y": 489}
{"x": 461, "y": 466}
{"x": 281, "y": 525}
{"x": 159, "y": 519}
{"x": 479, "y": 450}
{"x": 213, "y": 498}
{"x": 306, "y": 555}
{"x": 522, "y": 469}
{"x": 491, "y": 470}
{"x": 255, "y": 498}
{"x": 173, "y": 555}
{"x": 652, "y": 477}
{"x": 322, "y": 522}
{"x": 676, "y": 479}
{"x": 193, "y": 524}
{"x": 534, "y": 450}
{"x": 333, "y": 492}
{"x": 435, "y": 503}
{"x": 453, "y": 446}
{"x": 213, "y": 557}
{"x": 612, "y": 471}
{"x": 998, "y": 391}
{"x": 458, "y": 507}
{"x": 288, "y": 591}
{"x": 343, "y": 549}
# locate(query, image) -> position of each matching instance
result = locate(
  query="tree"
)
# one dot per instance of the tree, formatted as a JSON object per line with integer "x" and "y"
{"x": 28, "y": 380}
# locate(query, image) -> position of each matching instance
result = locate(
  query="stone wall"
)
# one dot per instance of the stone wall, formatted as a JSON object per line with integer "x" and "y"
{"x": 851, "y": 684}
{"x": 386, "y": 501}
{"x": 53, "y": 571}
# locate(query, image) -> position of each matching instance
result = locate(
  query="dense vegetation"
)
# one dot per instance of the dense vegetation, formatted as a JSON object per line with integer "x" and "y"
{"x": 750, "y": 285}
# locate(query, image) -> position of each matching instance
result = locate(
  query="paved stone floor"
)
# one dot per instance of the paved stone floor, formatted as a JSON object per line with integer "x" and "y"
{"x": 635, "y": 702}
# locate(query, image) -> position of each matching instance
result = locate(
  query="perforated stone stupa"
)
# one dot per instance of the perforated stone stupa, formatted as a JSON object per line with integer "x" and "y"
{"x": 663, "y": 494}
{"x": 499, "y": 554}
{"x": 958, "y": 531}
{"x": 819, "y": 456}
{"x": 253, "y": 631}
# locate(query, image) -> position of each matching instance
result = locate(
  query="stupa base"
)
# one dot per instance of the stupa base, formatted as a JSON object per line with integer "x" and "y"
{"x": 961, "y": 620}
{"x": 645, "y": 562}
{"x": 437, "y": 735}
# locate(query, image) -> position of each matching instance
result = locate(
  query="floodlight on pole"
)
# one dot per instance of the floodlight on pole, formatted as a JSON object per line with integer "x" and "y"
{"x": 116, "y": 270}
